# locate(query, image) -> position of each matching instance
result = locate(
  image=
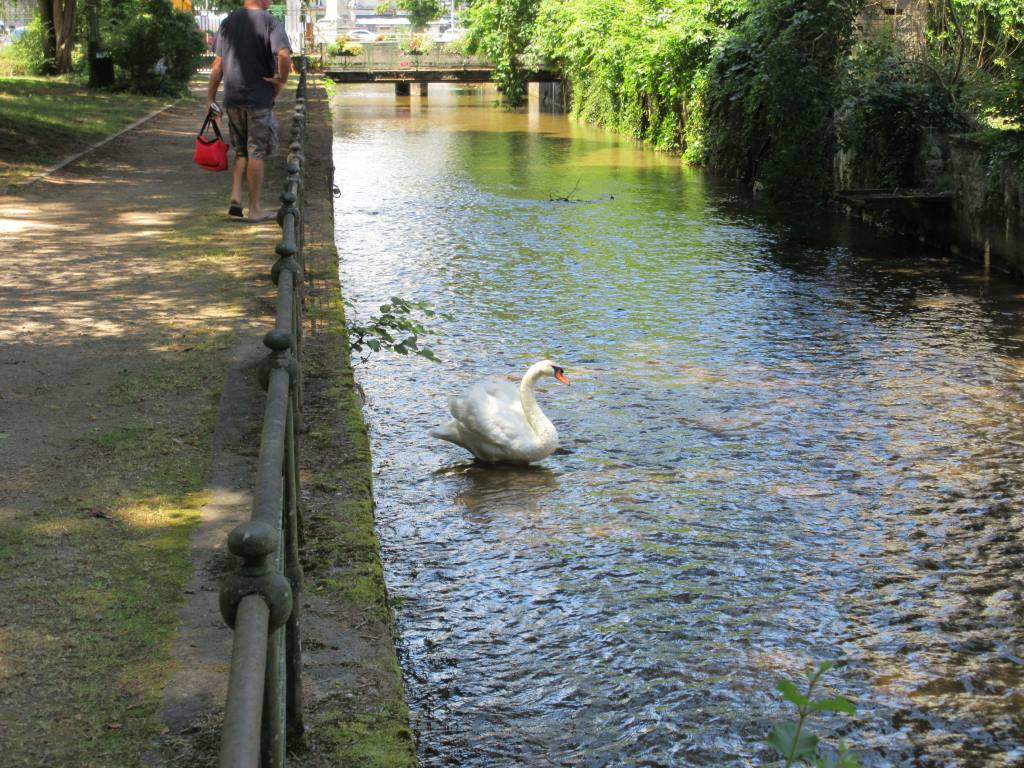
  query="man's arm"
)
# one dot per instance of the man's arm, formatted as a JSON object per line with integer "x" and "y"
{"x": 216, "y": 74}
{"x": 284, "y": 68}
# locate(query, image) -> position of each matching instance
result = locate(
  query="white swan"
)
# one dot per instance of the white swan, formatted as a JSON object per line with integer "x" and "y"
{"x": 497, "y": 421}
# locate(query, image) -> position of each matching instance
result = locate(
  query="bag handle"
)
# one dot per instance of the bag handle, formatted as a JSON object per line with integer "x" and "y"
{"x": 210, "y": 121}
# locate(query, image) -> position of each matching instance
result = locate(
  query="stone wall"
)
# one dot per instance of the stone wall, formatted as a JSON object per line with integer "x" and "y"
{"x": 984, "y": 221}
{"x": 988, "y": 204}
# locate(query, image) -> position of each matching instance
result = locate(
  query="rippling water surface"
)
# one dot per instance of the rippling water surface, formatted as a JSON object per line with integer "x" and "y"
{"x": 782, "y": 443}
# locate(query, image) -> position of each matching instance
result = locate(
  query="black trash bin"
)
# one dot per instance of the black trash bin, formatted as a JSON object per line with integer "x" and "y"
{"x": 102, "y": 71}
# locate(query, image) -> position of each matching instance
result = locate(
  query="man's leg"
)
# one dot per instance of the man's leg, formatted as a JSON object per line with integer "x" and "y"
{"x": 254, "y": 176}
{"x": 262, "y": 144}
{"x": 238, "y": 127}
{"x": 238, "y": 178}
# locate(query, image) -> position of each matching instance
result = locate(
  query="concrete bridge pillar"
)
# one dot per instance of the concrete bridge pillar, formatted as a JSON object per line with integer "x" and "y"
{"x": 551, "y": 97}
{"x": 403, "y": 89}
{"x": 423, "y": 89}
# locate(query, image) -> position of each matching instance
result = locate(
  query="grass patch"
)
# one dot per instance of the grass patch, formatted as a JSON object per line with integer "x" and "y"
{"x": 94, "y": 566}
{"x": 47, "y": 119}
{"x": 368, "y": 741}
{"x": 93, "y": 594}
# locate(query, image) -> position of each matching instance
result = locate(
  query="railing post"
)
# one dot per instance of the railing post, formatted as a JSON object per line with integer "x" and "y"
{"x": 245, "y": 714}
{"x": 272, "y": 742}
{"x": 293, "y": 571}
{"x": 287, "y": 265}
{"x": 278, "y": 372}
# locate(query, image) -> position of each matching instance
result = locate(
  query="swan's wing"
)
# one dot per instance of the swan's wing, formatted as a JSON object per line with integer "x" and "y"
{"x": 493, "y": 411}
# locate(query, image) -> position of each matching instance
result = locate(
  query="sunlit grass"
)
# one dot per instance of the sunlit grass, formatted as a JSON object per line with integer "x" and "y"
{"x": 48, "y": 119}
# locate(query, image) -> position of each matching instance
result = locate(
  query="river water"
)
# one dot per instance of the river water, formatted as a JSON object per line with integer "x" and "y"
{"x": 783, "y": 442}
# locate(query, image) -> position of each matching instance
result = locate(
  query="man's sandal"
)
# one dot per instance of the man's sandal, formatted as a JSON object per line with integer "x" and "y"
{"x": 235, "y": 209}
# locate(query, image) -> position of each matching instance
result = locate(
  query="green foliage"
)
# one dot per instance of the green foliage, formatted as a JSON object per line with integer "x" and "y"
{"x": 398, "y": 328}
{"x": 888, "y": 102}
{"x": 343, "y": 47}
{"x": 771, "y": 97}
{"x": 156, "y": 47}
{"x": 975, "y": 46}
{"x": 27, "y": 56}
{"x": 501, "y": 30}
{"x": 765, "y": 90}
{"x": 633, "y": 68}
{"x": 415, "y": 45}
{"x": 422, "y": 12}
{"x": 798, "y": 745}
{"x": 1005, "y": 149}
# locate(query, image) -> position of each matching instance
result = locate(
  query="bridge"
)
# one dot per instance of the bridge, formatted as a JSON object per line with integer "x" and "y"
{"x": 386, "y": 62}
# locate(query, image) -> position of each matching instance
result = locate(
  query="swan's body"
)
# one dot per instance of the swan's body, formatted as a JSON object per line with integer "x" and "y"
{"x": 497, "y": 421}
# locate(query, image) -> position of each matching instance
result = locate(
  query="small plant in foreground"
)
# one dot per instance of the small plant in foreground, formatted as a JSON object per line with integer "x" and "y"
{"x": 799, "y": 746}
{"x": 397, "y": 328}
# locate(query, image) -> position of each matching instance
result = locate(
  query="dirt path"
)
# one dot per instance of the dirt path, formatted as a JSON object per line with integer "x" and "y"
{"x": 133, "y": 316}
{"x": 128, "y": 301}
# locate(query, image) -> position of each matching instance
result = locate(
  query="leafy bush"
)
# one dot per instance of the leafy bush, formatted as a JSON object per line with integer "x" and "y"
{"x": 422, "y": 12}
{"x": 415, "y": 45}
{"x": 156, "y": 47}
{"x": 977, "y": 48}
{"x": 888, "y": 103}
{"x": 25, "y": 56}
{"x": 344, "y": 47}
{"x": 501, "y": 31}
{"x": 771, "y": 98}
{"x": 1008, "y": 92}
{"x": 398, "y": 328}
{"x": 764, "y": 90}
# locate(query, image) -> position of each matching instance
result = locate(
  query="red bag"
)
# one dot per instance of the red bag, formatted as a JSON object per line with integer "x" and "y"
{"x": 211, "y": 154}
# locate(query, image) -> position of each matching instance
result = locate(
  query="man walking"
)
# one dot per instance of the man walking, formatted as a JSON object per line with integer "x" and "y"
{"x": 252, "y": 56}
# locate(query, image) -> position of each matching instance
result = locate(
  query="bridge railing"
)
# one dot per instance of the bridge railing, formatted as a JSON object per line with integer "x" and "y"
{"x": 260, "y": 601}
{"x": 390, "y": 57}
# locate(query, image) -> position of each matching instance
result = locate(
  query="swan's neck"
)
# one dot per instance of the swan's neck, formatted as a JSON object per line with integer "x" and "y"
{"x": 539, "y": 423}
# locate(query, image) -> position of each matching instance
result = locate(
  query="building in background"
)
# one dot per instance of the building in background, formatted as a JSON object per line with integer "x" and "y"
{"x": 906, "y": 21}
{"x": 17, "y": 13}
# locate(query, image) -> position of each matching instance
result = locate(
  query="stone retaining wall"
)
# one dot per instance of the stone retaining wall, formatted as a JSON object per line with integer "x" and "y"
{"x": 988, "y": 203}
{"x": 985, "y": 222}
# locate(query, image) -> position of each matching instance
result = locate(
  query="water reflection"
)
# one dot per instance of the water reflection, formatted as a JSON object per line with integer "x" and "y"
{"x": 485, "y": 491}
{"x": 784, "y": 442}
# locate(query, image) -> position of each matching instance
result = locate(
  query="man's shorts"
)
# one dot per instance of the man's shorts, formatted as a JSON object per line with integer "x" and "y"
{"x": 253, "y": 132}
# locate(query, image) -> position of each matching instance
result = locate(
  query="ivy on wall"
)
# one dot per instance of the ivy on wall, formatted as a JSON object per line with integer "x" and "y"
{"x": 772, "y": 93}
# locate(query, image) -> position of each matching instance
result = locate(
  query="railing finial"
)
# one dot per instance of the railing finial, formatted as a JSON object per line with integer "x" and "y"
{"x": 280, "y": 343}
{"x": 255, "y": 542}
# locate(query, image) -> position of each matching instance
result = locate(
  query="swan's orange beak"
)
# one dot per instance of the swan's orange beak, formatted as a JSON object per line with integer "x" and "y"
{"x": 560, "y": 375}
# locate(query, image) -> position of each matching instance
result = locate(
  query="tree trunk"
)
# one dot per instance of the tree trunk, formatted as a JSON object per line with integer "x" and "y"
{"x": 49, "y": 39}
{"x": 58, "y": 19}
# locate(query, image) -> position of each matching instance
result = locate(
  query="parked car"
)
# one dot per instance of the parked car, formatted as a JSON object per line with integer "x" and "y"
{"x": 361, "y": 35}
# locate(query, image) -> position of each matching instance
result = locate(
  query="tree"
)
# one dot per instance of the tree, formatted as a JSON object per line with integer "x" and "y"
{"x": 59, "y": 19}
{"x": 501, "y": 30}
{"x": 155, "y": 46}
{"x": 422, "y": 12}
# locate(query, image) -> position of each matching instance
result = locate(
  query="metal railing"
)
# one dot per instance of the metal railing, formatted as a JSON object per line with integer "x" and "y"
{"x": 263, "y": 712}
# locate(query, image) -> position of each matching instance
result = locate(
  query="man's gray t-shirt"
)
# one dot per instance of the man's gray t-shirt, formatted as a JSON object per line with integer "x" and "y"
{"x": 248, "y": 42}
